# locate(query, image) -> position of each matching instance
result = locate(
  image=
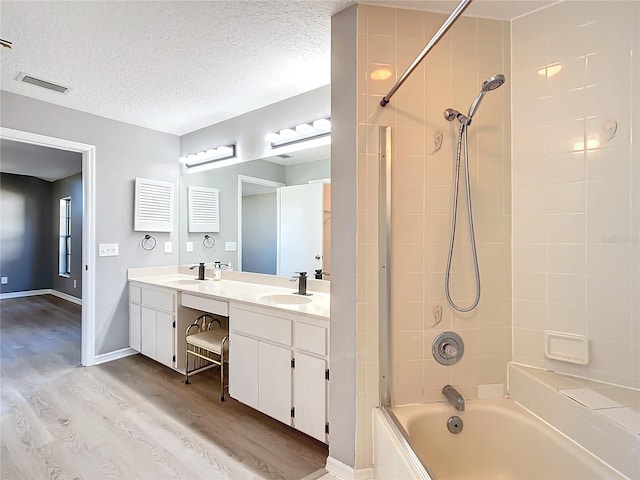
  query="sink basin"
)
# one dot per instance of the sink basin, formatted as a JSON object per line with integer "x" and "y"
{"x": 184, "y": 282}
{"x": 284, "y": 299}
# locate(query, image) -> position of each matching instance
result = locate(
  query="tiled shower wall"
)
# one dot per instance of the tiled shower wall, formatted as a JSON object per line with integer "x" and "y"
{"x": 576, "y": 185}
{"x": 451, "y": 76}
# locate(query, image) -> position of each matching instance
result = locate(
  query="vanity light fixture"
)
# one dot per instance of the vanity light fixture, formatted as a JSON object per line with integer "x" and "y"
{"x": 299, "y": 133}
{"x": 222, "y": 152}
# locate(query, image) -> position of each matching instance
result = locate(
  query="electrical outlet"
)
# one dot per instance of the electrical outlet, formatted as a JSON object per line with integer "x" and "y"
{"x": 5, "y": 280}
{"x": 231, "y": 246}
{"x": 189, "y": 246}
{"x": 108, "y": 250}
{"x": 167, "y": 247}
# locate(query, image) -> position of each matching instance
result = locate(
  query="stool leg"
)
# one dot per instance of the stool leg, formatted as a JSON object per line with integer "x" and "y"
{"x": 186, "y": 365}
{"x": 222, "y": 374}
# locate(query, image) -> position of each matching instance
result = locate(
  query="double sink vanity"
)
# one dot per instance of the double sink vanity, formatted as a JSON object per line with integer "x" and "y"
{"x": 279, "y": 341}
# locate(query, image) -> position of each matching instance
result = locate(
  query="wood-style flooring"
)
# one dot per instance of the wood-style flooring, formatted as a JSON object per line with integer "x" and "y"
{"x": 127, "y": 419}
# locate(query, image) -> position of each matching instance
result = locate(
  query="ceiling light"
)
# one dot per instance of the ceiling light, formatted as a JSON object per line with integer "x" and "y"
{"x": 222, "y": 152}
{"x": 300, "y": 133}
{"x": 324, "y": 124}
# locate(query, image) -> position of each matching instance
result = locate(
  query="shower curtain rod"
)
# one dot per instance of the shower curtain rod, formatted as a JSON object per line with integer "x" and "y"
{"x": 435, "y": 39}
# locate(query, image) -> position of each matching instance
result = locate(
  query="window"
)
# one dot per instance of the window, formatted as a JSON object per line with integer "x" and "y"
{"x": 64, "y": 259}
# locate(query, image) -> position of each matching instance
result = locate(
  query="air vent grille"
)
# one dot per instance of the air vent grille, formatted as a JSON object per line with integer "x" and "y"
{"x": 154, "y": 206}
{"x": 38, "y": 82}
{"x": 203, "y": 209}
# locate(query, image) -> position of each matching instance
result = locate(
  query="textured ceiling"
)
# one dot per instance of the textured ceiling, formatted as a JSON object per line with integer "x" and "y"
{"x": 177, "y": 66}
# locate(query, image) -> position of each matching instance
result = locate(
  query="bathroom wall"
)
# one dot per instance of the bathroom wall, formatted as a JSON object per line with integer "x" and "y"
{"x": 576, "y": 185}
{"x": 451, "y": 76}
{"x": 123, "y": 152}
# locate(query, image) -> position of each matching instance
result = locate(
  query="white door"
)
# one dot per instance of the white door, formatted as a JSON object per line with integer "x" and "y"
{"x": 134, "y": 326}
{"x": 300, "y": 229}
{"x": 275, "y": 382}
{"x": 310, "y": 395}
{"x": 243, "y": 369}
{"x": 164, "y": 338}
{"x": 148, "y": 333}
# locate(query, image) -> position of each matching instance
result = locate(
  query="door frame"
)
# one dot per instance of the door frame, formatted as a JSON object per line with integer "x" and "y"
{"x": 88, "y": 343}
{"x": 242, "y": 179}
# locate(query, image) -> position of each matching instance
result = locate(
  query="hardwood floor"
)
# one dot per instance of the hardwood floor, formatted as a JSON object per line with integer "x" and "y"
{"x": 126, "y": 419}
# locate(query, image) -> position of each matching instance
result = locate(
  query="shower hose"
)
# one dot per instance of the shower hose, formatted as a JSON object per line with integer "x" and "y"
{"x": 462, "y": 138}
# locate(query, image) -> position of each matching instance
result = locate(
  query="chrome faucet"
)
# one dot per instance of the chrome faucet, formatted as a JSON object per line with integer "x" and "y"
{"x": 200, "y": 270}
{"x": 302, "y": 283}
{"x": 454, "y": 397}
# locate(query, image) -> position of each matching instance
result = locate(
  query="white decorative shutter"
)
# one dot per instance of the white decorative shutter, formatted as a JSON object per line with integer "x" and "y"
{"x": 203, "y": 209}
{"x": 153, "y": 206}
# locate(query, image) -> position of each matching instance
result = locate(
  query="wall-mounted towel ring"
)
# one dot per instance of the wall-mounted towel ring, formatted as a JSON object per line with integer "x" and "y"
{"x": 148, "y": 243}
{"x": 208, "y": 241}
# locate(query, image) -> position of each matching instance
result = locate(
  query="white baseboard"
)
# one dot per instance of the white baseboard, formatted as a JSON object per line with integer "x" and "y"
{"x": 26, "y": 293}
{"x": 45, "y": 291}
{"x": 345, "y": 472}
{"x": 115, "y": 355}
{"x": 66, "y": 296}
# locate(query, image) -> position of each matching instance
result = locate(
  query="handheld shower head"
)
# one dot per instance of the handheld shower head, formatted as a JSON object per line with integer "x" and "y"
{"x": 488, "y": 85}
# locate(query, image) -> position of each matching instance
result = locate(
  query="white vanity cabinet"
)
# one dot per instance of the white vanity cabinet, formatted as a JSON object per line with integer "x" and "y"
{"x": 152, "y": 315}
{"x": 278, "y": 365}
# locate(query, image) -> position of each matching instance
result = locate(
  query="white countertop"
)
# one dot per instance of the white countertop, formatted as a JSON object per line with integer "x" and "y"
{"x": 236, "y": 291}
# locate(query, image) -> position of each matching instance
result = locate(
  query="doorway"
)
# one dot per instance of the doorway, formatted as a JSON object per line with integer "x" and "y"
{"x": 88, "y": 227}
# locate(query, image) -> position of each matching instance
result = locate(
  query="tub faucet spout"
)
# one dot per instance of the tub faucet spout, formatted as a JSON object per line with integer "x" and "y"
{"x": 454, "y": 397}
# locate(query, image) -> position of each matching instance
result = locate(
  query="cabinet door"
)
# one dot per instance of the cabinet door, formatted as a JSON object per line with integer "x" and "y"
{"x": 135, "y": 315}
{"x": 310, "y": 395}
{"x": 164, "y": 338}
{"x": 148, "y": 332}
{"x": 243, "y": 369}
{"x": 274, "y": 374}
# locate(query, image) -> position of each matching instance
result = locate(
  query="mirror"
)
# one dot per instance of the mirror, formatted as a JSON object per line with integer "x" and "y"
{"x": 274, "y": 214}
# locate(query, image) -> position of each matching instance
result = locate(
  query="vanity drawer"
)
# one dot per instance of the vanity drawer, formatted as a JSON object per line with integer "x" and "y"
{"x": 158, "y": 300}
{"x": 206, "y": 304}
{"x": 262, "y": 326}
{"x": 310, "y": 338}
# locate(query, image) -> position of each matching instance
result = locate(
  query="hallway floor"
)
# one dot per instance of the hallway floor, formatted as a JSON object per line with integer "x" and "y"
{"x": 130, "y": 418}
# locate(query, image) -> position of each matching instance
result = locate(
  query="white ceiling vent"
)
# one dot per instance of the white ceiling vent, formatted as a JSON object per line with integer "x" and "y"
{"x": 38, "y": 82}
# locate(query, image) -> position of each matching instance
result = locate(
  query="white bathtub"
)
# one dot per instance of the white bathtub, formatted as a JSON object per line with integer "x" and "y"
{"x": 499, "y": 440}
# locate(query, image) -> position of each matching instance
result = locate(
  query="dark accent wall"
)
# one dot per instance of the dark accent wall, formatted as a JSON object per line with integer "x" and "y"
{"x": 67, "y": 187}
{"x": 25, "y": 231}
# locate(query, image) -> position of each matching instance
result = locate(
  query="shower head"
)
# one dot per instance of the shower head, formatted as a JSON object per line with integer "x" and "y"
{"x": 492, "y": 83}
{"x": 488, "y": 85}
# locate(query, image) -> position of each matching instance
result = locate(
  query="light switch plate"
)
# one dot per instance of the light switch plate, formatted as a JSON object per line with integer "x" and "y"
{"x": 231, "y": 246}
{"x": 189, "y": 246}
{"x": 167, "y": 247}
{"x": 108, "y": 250}
{"x": 5, "y": 280}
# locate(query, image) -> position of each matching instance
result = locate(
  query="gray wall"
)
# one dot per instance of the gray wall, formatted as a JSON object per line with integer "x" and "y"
{"x": 25, "y": 233}
{"x": 304, "y": 172}
{"x": 342, "y": 398}
{"x": 260, "y": 233}
{"x": 247, "y": 131}
{"x": 123, "y": 152}
{"x": 67, "y": 187}
{"x": 225, "y": 179}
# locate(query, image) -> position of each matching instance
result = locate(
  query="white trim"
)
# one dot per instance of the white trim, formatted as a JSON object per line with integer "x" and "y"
{"x": 88, "y": 346}
{"x": 44, "y": 291}
{"x": 25, "y": 293}
{"x": 345, "y": 472}
{"x": 115, "y": 355}
{"x": 66, "y": 296}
